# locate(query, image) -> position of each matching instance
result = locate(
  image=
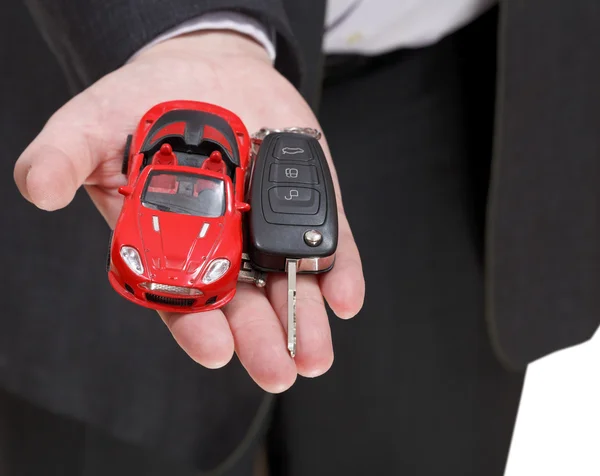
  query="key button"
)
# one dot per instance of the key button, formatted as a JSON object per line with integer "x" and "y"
{"x": 294, "y": 200}
{"x": 289, "y": 148}
{"x": 293, "y": 173}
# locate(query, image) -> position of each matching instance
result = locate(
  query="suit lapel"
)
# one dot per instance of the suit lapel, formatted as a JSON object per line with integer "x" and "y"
{"x": 543, "y": 259}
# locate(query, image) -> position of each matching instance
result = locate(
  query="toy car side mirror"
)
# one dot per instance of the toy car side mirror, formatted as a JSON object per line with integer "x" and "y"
{"x": 126, "y": 190}
{"x": 242, "y": 207}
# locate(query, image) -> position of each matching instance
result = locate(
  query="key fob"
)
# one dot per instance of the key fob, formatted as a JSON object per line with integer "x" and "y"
{"x": 293, "y": 212}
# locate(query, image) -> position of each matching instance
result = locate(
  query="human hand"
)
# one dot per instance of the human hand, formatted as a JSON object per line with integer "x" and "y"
{"x": 82, "y": 144}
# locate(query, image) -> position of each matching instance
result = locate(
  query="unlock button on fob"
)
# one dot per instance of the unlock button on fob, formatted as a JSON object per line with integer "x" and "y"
{"x": 294, "y": 200}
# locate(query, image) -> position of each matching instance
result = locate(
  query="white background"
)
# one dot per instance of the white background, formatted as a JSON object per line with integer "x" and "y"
{"x": 558, "y": 426}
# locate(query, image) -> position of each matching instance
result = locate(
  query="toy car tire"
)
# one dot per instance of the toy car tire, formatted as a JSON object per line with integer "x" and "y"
{"x": 126, "y": 154}
{"x": 108, "y": 252}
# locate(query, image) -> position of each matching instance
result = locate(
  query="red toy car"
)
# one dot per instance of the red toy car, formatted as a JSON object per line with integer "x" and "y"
{"x": 177, "y": 245}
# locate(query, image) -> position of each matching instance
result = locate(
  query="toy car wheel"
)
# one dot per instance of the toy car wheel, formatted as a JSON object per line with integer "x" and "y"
{"x": 108, "y": 252}
{"x": 126, "y": 154}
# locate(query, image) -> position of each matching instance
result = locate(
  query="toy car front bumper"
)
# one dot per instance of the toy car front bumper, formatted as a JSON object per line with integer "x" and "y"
{"x": 170, "y": 303}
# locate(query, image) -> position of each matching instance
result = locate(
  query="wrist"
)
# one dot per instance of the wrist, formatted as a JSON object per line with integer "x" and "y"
{"x": 214, "y": 44}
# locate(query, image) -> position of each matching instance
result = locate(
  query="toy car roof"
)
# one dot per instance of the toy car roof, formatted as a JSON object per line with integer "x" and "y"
{"x": 195, "y": 128}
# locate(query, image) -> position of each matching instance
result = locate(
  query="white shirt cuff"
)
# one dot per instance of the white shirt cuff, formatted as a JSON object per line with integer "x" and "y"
{"x": 224, "y": 20}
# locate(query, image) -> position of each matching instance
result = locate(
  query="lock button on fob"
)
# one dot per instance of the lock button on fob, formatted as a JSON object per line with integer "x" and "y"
{"x": 293, "y": 173}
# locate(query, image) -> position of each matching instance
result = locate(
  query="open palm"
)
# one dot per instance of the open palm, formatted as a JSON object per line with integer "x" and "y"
{"x": 82, "y": 144}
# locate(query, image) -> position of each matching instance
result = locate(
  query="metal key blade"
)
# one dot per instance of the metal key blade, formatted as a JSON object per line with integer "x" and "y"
{"x": 292, "y": 269}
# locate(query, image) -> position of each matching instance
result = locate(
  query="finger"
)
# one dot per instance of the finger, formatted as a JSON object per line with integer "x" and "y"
{"x": 205, "y": 336}
{"x": 314, "y": 352}
{"x": 259, "y": 340}
{"x": 68, "y": 149}
{"x": 344, "y": 286}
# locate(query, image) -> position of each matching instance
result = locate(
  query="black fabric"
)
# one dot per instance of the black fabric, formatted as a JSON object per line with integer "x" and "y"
{"x": 307, "y": 20}
{"x": 544, "y": 248}
{"x": 34, "y": 441}
{"x": 68, "y": 342}
{"x": 415, "y": 388}
{"x": 94, "y": 37}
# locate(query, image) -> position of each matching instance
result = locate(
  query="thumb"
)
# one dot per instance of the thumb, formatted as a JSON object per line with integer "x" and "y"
{"x": 59, "y": 160}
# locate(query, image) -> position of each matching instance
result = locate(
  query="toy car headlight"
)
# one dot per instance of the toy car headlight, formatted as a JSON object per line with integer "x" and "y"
{"x": 216, "y": 270}
{"x": 132, "y": 259}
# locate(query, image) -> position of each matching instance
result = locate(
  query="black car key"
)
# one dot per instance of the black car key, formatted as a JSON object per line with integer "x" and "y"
{"x": 293, "y": 220}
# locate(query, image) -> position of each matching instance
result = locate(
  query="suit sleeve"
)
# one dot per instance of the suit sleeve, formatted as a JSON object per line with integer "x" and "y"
{"x": 94, "y": 37}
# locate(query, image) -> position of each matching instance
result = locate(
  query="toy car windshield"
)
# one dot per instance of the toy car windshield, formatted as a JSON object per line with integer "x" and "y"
{"x": 184, "y": 193}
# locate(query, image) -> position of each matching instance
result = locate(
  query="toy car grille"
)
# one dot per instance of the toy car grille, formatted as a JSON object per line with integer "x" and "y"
{"x": 170, "y": 301}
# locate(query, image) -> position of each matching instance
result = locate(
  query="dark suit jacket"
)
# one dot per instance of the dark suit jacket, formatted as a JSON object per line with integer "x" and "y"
{"x": 74, "y": 346}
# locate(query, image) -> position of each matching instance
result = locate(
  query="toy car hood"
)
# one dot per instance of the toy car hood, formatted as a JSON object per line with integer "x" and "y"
{"x": 178, "y": 252}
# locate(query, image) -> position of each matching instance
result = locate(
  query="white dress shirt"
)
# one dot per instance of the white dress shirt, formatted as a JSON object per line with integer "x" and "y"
{"x": 232, "y": 21}
{"x": 373, "y": 27}
{"x": 367, "y": 27}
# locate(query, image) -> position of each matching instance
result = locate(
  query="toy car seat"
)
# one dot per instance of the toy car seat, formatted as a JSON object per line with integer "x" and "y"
{"x": 164, "y": 183}
{"x": 215, "y": 163}
{"x": 165, "y": 156}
